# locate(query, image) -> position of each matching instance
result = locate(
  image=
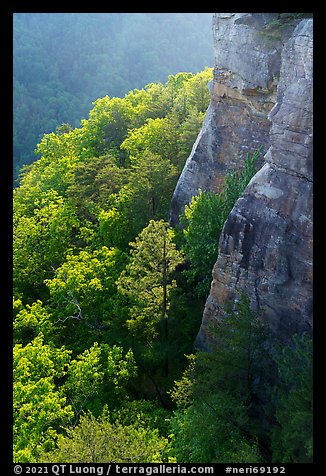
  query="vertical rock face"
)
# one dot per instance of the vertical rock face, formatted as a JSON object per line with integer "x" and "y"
{"x": 242, "y": 94}
{"x": 265, "y": 248}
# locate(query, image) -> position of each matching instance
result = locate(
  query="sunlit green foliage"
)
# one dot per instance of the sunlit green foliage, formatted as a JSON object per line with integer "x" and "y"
{"x": 60, "y": 153}
{"x": 117, "y": 158}
{"x": 94, "y": 181}
{"x": 148, "y": 278}
{"x": 203, "y": 220}
{"x": 100, "y": 441}
{"x": 41, "y": 241}
{"x": 30, "y": 321}
{"x": 40, "y": 407}
{"x": 51, "y": 390}
{"x": 156, "y": 135}
{"x": 171, "y": 132}
{"x": 106, "y": 305}
{"x": 85, "y": 199}
{"x": 97, "y": 376}
{"x": 196, "y": 91}
{"x": 189, "y": 131}
{"x": 145, "y": 413}
{"x": 114, "y": 228}
{"x": 83, "y": 293}
{"x": 107, "y": 125}
{"x": 147, "y": 196}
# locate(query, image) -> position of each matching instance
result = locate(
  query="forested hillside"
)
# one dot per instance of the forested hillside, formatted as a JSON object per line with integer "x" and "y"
{"x": 108, "y": 298}
{"x": 65, "y": 61}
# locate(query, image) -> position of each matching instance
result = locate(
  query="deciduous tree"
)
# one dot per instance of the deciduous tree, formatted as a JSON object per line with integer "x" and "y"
{"x": 100, "y": 441}
{"x": 40, "y": 407}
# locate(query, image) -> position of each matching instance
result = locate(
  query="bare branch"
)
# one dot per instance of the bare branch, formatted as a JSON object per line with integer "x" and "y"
{"x": 78, "y": 318}
{"x": 74, "y": 301}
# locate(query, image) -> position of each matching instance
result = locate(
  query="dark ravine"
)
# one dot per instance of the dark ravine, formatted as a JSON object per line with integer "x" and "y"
{"x": 261, "y": 95}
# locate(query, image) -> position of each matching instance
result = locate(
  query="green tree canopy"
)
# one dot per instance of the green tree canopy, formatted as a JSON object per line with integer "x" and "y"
{"x": 41, "y": 241}
{"x": 217, "y": 390}
{"x": 146, "y": 196}
{"x": 40, "y": 407}
{"x": 203, "y": 220}
{"x": 148, "y": 278}
{"x": 100, "y": 441}
{"x": 292, "y": 437}
{"x": 83, "y": 292}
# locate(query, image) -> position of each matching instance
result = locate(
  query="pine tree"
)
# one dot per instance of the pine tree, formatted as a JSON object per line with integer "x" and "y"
{"x": 148, "y": 281}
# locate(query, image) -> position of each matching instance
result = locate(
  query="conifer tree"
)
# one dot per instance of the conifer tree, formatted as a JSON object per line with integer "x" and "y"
{"x": 148, "y": 281}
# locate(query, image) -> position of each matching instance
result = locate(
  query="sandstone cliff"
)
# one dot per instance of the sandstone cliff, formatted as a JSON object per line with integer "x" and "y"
{"x": 261, "y": 94}
{"x": 243, "y": 91}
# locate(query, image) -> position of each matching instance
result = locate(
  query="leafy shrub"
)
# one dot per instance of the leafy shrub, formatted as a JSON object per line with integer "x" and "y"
{"x": 203, "y": 220}
{"x": 292, "y": 435}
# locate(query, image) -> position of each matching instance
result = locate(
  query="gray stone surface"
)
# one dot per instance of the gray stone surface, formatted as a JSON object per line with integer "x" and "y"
{"x": 240, "y": 47}
{"x": 265, "y": 248}
{"x": 242, "y": 94}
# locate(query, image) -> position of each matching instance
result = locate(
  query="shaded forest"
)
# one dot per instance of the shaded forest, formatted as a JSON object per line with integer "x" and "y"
{"x": 62, "y": 62}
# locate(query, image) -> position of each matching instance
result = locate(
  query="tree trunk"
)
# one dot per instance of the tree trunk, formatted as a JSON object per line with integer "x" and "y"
{"x": 164, "y": 312}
